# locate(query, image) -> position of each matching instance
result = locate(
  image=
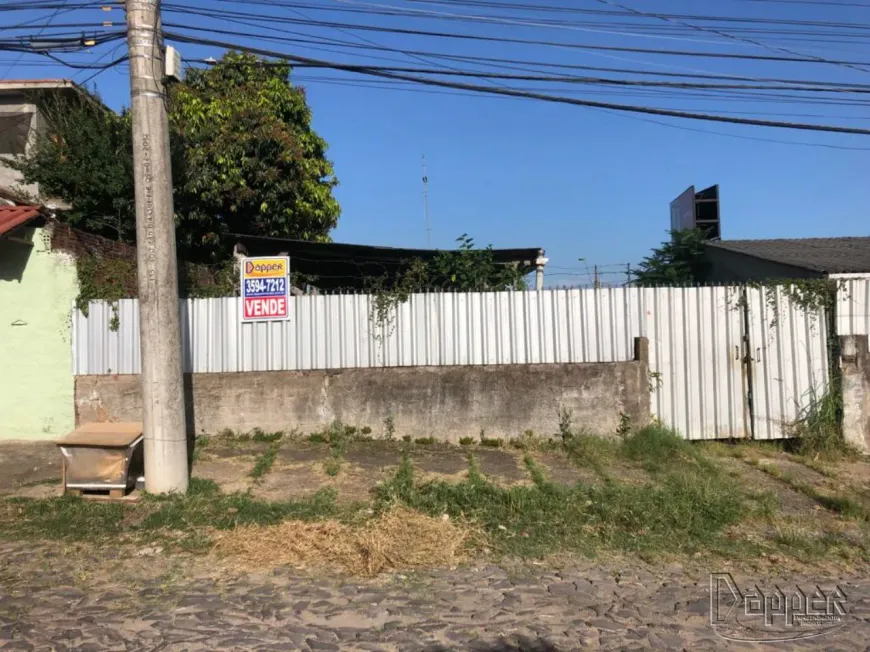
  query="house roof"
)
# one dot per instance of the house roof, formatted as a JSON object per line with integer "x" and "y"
{"x": 14, "y": 216}
{"x": 347, "y": 265}
{"x": 826, "y": 255}
{"x": 35, "y": 84}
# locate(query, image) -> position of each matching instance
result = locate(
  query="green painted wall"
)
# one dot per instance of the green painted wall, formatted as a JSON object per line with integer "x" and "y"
{"x": 37, "y": 289}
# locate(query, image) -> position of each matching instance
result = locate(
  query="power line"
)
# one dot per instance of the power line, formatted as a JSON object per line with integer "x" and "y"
{"x": 20, "y": 56}
{"x": 169, "y": 8}
{"x": 725, "y": 34}
{"x": 526, "y": 94}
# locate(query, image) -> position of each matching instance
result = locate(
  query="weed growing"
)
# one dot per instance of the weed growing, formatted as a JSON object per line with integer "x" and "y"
{"x": 425, "y": 441}
{"x": 204, "y": 506}
{"x": 265, "y": 461}
{"x": 818, "y": 431}
{"x": 466, "y": 441}
{"x": 685, "y": 512}
{"x": 491, "y": 442}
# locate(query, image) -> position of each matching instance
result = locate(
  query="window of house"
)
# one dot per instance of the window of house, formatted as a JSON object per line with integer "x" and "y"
{"x": 14, "y": 132}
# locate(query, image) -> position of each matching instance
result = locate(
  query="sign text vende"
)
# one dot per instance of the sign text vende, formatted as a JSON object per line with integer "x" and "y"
{"x": 275, "y": 307}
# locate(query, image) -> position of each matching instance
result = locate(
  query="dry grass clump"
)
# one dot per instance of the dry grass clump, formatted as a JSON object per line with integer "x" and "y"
{"x": 398, "y": 539}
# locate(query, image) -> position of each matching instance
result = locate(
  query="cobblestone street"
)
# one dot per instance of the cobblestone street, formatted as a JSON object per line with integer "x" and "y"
{"x": 75, "y": 600}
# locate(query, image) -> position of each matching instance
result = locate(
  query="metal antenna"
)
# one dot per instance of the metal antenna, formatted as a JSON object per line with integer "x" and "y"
{"x": 426, "y": 204}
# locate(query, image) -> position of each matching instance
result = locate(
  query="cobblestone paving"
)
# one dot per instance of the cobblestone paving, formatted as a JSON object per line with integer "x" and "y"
{"x": 53, "y": 601}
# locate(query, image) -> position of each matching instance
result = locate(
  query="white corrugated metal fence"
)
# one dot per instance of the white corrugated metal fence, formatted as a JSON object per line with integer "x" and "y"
{"x": 703, "y": 342}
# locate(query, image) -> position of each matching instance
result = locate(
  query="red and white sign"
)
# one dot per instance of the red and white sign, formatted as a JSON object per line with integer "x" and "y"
{"x": 265, "y": 308}
{"x": 265, "y": 288}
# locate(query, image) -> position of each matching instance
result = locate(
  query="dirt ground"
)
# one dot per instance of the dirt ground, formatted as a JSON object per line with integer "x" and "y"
{"x": 302, "y": 468}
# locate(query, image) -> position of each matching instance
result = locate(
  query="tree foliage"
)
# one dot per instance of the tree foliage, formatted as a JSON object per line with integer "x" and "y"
{"x": 245, "y": 160}
{"x": 465, "y": 269}
{"x": 678, "y": 261}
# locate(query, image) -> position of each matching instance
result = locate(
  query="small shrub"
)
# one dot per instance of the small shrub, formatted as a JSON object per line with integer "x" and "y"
{"x": 318, "y": 438}
{"x": 466, "y": 441}
{"x": 818, "y": 429}
{"x": 389, "y": 427}
{"x": 566, "y": 422}
{"x": 623, "y": 430}
{"x": 226, "y": 433}
{"x": 406, "y": 438}
{"x": 332, "y": 466}
{"x": 425, "y": 441}
{"x": 366, "y": 430}
{"x": 491, "y": 442}
{"x": 268, "y": 437}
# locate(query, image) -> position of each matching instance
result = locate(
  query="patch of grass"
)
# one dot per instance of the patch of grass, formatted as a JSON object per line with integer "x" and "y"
{"x": 257, "y": 434}
{"x": 226, "y": 433}
{"x": 265, "y": 461}
{"x": 466, "y": 441}
{"x": 844, "y": 506}
{"x": 332, "y": 466}
{"x": 591, "y": 452}
{"x": 684, "y": 513}
{"x": 406, "y": 439}
{"x": 366, "y": 430}
{"x": 425, "y": 441}
{"x": 491, "y": 442}
{"x": 64, "y": 517}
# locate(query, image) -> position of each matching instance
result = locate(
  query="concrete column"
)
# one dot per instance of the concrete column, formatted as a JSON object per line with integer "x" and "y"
{"x": 539, "y": 272}
{"x": 855, "y": 367}
{"x": 163, "y": 409}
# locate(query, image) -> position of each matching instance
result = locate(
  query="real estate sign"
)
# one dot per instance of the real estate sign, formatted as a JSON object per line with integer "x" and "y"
{"x": 265, "y": 288}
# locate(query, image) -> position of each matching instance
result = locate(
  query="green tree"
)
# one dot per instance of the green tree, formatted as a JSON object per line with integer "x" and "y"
{"x": 85, "y": 159}
{"x": 472, "y": 270}
{"x": 678, "y": 261}
{"x": 245, "y": 160}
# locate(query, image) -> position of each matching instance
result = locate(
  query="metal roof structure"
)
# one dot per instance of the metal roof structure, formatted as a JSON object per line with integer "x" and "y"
{"x": 343, "y": 266}
{"x": 846, "y": 255}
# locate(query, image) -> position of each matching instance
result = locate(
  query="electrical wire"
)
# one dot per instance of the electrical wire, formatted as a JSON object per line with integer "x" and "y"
{"x": 170, "y": 8}
{"x": 525, "y": 94}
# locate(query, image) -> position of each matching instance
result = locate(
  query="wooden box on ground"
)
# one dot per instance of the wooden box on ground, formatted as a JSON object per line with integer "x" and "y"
{"x": 102, "y": 457}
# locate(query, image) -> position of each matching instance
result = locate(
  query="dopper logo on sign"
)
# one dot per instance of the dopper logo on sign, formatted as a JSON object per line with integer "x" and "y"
{"x": 265, "y": 289}
{"x": 265, "y": 267}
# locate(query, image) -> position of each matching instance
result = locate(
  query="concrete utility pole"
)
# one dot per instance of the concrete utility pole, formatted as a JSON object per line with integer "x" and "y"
{"x": 166, "y": 467}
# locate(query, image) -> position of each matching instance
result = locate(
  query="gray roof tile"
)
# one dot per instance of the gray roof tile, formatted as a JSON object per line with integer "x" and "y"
{"x": 828, "y": 255}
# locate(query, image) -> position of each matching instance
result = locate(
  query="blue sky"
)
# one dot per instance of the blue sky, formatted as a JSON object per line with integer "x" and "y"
{"x": 579, "y": 182}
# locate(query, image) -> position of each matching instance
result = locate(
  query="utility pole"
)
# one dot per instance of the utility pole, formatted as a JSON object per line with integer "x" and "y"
{"x": 166, "y": 464}
{"x": 426, "y": 204}
{"x": 595, "y": 282}
{"x": 627, "y": 274}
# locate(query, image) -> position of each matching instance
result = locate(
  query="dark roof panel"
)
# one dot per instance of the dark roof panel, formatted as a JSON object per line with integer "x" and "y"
{"x": 339, "y": 265}
{"x": 827, "y": 255}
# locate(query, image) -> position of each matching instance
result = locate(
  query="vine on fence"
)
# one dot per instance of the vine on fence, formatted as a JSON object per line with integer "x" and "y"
{"x": 110, "y": 279}
{"x": 465, "y": 270}
{"x": 812, "y": 295}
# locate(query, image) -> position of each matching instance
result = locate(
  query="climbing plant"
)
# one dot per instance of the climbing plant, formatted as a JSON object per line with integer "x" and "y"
{"x": 465, "y": 269}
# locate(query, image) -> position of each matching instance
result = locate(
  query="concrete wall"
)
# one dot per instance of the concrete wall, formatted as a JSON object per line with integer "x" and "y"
{"x": 37, "y": 288}
{"x": 443, "y": 402}
{"x": 855, "y": 366}
{"x": 17, "y": 103}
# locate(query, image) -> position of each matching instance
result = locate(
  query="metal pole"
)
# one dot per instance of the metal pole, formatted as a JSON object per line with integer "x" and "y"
{"x": 166, "y": 464}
